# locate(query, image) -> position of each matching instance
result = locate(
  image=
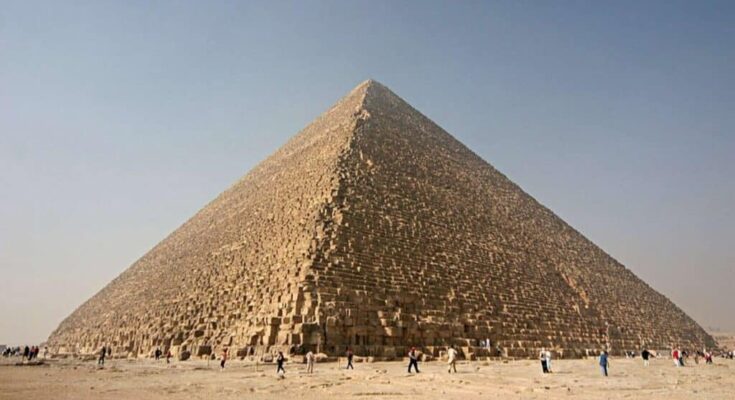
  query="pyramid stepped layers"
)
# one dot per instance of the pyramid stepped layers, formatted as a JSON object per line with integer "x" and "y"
{"x": 374, "y": 228}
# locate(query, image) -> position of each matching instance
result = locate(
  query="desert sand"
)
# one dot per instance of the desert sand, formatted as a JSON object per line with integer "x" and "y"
{"x": 572, "y": 379}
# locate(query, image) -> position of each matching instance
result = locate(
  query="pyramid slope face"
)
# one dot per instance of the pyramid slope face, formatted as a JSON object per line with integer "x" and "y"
{"x": 435, "y": 246}
{"x": 374, "y": 228}
{"x": 234, "y": 270}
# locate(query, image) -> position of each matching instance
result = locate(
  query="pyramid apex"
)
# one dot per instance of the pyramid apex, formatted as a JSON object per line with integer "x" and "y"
{"x": 370, "y": 83}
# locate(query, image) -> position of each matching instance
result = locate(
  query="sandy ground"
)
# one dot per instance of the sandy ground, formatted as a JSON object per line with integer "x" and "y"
{"x": 572, "y": 379}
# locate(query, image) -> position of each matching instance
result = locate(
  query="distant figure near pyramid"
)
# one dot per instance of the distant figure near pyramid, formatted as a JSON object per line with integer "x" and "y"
{"x": 373, "y": 228}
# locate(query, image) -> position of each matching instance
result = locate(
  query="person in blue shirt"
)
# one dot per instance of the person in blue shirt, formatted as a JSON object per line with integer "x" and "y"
{"x": 604, "y": 363}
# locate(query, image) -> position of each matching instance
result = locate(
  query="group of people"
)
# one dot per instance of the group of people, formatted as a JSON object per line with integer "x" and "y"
{"x": 679, "y": 356}
{"x": 310, "y": 358}
{"x": 26, "y": 352}
{"x": 158, "y": 354}
{"x": 604, "y": 359}
{"x": 545, "y": 357}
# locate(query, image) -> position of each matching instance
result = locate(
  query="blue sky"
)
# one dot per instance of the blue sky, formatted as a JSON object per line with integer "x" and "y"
{"x": 119, "y": 120}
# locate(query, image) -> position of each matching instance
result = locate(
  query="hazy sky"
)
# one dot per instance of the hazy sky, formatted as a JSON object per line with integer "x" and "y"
{"x": 118, "y": 121}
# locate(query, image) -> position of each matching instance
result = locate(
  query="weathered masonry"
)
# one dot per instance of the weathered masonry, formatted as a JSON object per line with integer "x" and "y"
{"x": 376, "y": 229}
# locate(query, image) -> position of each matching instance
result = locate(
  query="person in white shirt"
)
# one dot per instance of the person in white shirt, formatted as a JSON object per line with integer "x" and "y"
{"x": 452, "y": 359}
{"x": 548, "y": 360}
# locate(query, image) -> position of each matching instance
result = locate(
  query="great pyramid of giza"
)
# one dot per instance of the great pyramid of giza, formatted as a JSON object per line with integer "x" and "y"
{"x": 374, "y": 228}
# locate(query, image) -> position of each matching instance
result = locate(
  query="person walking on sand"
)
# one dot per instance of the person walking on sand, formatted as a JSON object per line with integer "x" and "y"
{"x": 168, "y": 356}
{"x": 548, "y": 361}
{"x": 349, "y": 355}
{"x": 645, "y": 354}
{"x": 542, "y": 358}
{"x": 452, "y": 359}
{"x": 103, "y": 353}
{"x": 224, "y": 358}
{"x": 413, "y": 360}
{"x": 676, "y": 356}
{"x": 604, "y": 362}
{"x": 279, "y": 360}
{"x": 310, "y": 358}
{"x": 682, "y": 355}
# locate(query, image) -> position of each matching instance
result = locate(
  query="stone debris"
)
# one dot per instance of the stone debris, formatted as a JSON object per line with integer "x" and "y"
{"x": 374, "y": 228}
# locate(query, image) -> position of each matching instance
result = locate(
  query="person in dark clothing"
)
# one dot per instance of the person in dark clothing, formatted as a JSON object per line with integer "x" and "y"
{"x": 682, "y": 355}
{"x": 103, "y": 353}
{"x": 413, "y": 360}
{"x": 604, "y": 363}
{"x": 157, "y": 354}
{"x": 26, "y": 351}
{"x": 544, "y": 364}
{"x": 279, "y": 360}
{"x": 645, "y": 354}
{"x": 224, "y": 358}
{"x": 349, "y": 356}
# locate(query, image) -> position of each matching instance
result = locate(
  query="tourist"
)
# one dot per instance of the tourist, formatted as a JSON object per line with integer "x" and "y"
{"x": 645, "y": 354}
{"x": 604, "y": 362}
{"x": 349, "y": 355}
{"x": 168, "y": 356}
{"x": 157, "y": 354}
{"x": 310, "y": 358}
{"x": 548, "y": 361}
{"x": 413, "y": 360}
{"x": 279, "y": 360}
{"x": 26, "y": 351}
{"x": 683, "y": 355}
{"x": 224, "y": 358}
{"x": 45, "y": 352}
{"x": 452, "y": 359}
{"x": 542, "y": 358}
{"x": 676, "y": 356}
{"x": 101, "y": 360}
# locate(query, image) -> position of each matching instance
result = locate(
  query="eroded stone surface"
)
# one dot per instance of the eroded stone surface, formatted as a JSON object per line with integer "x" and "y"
{"x": 374, "y": 228}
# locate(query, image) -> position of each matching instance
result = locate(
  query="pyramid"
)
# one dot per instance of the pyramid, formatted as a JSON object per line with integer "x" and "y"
{"x": 374, "y": 228}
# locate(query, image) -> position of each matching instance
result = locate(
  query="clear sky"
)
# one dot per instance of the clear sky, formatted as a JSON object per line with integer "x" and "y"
{"x": 119, "y": 120}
